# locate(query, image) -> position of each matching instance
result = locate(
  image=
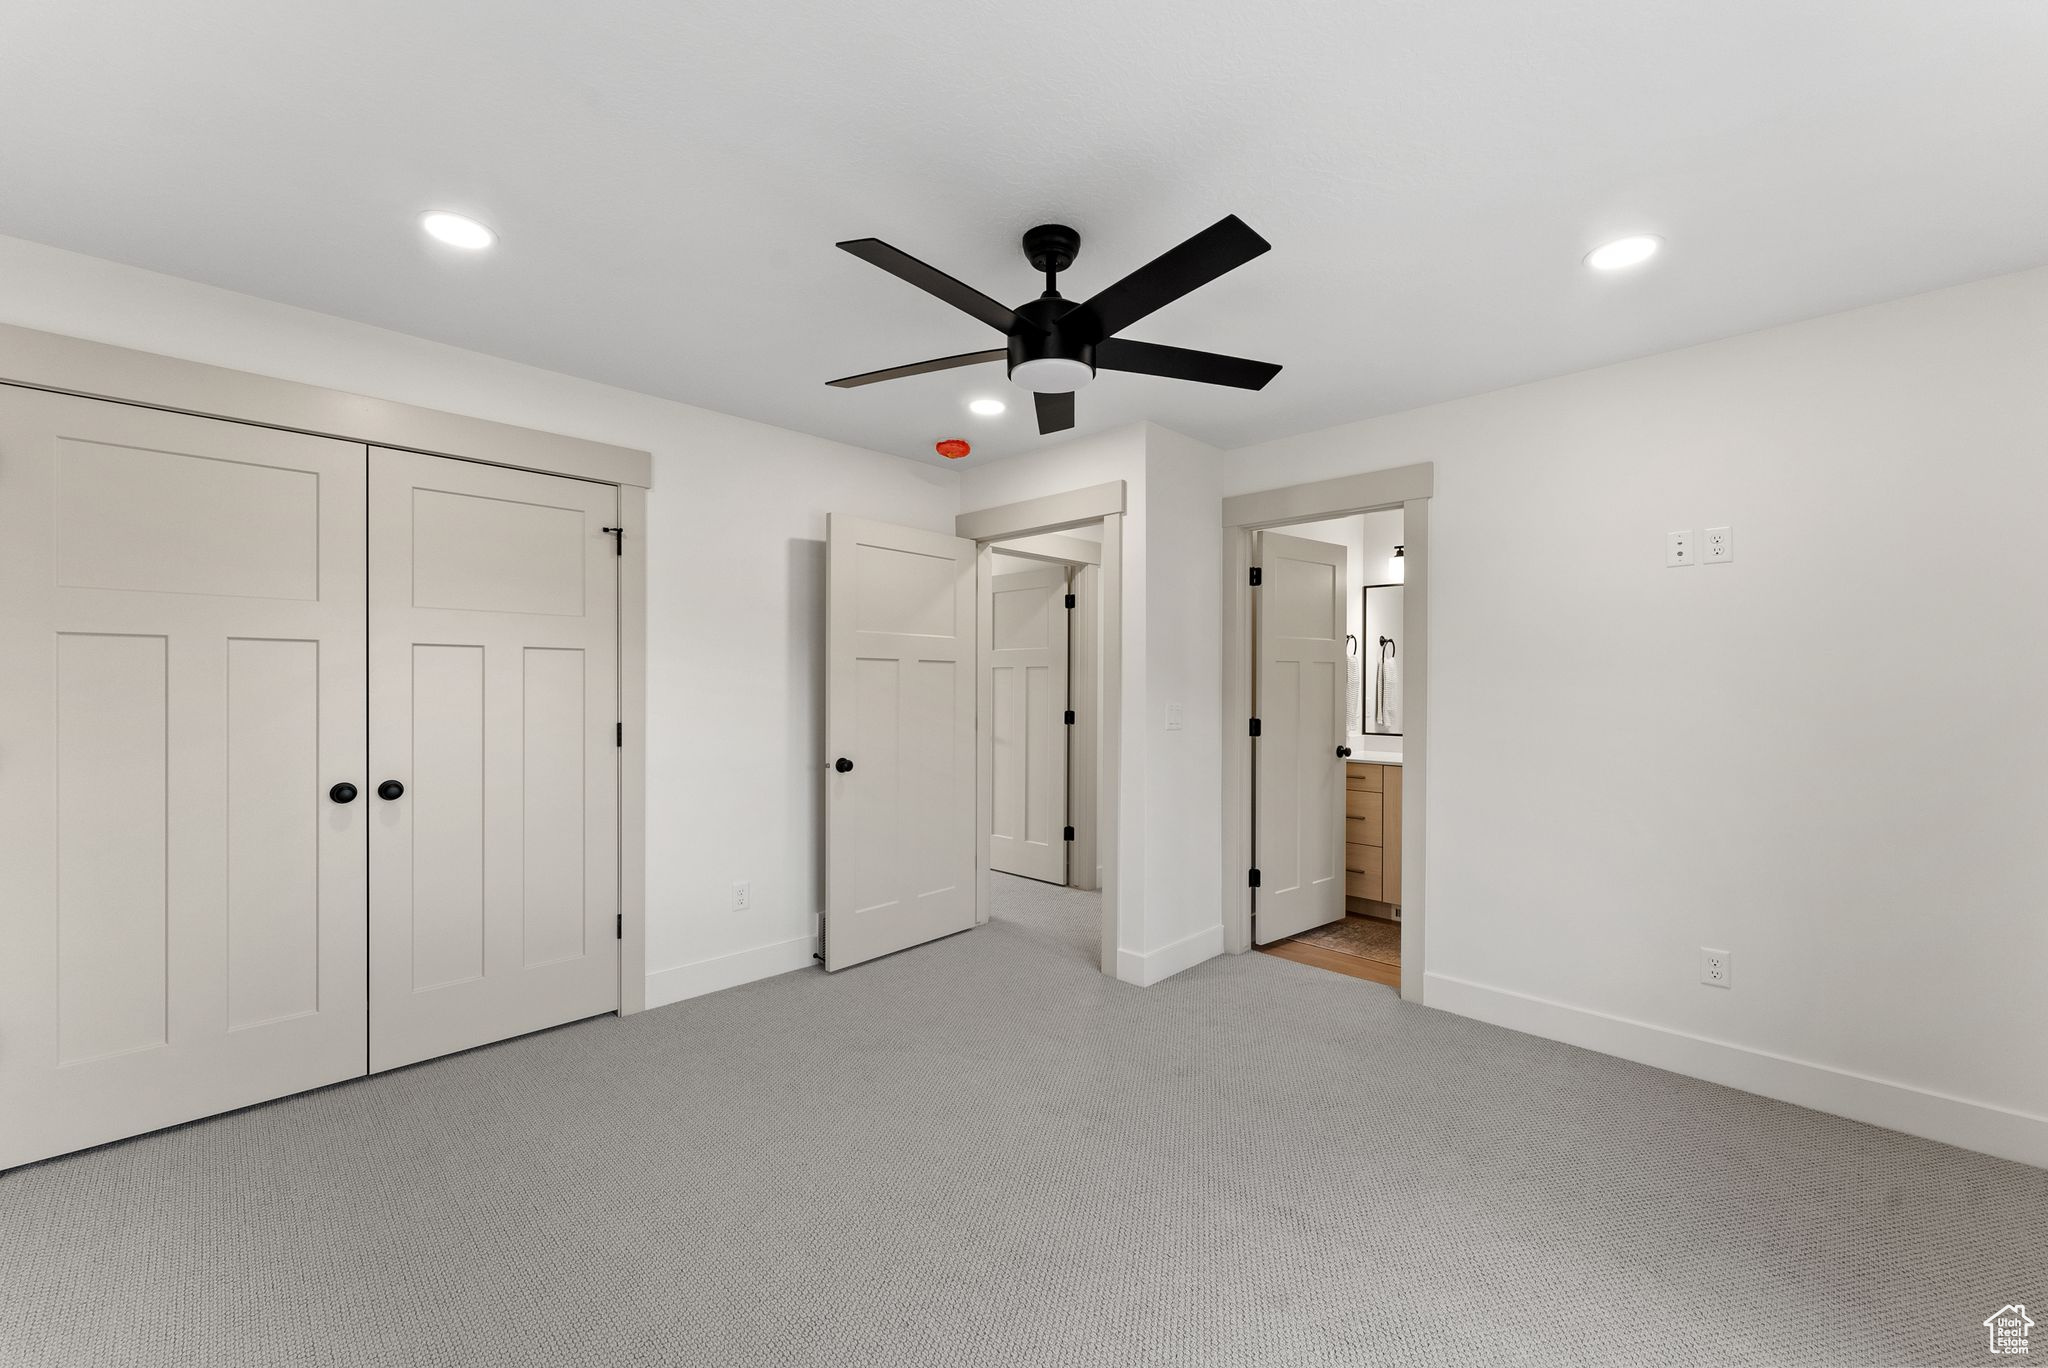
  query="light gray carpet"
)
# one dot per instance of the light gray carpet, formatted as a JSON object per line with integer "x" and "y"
{"x": 981, "y": 1153}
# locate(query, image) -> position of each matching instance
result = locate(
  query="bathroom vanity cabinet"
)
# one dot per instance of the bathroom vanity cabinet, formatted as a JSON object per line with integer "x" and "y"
{"x": 1372, "y": 837}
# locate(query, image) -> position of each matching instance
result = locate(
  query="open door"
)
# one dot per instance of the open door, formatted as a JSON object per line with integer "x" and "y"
{"x": 901, "y": 849}
{"x": 1298, "y": 770}
{"x": 1028, "y": 725}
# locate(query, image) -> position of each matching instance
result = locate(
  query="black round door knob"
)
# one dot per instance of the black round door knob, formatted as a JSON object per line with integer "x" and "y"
{"x": 843, "y": 765}
{"x": 1343, "y": 752}
{"x": 343, "y": 793}
{"x": 390, "y": 789}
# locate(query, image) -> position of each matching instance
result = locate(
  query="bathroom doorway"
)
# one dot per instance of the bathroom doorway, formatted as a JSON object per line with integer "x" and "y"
{"x": 1326, "y": 658}
{"x": 1326, "y": 795}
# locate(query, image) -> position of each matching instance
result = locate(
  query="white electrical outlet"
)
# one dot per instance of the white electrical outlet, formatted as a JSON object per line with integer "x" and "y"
{"x": 1717, "y": 968}
{"x": 1720, "y": 545}
{"x": 1173, "y": 718}
{"x": 742, "y": 895}
{"x": 1678, "y": 548}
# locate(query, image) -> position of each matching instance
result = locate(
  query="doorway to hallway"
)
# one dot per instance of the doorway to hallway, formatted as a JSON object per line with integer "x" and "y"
{"x": 1045, "y": 706}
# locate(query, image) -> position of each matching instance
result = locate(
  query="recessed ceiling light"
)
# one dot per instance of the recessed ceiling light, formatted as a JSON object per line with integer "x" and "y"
{"x": 1623, "y": 253}
{"x": 987, "y": 408}
{"x": 457, "y": 230}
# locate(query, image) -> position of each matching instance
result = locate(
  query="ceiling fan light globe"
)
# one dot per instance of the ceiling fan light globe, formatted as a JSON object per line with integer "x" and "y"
{"x": 1052, "y": 374}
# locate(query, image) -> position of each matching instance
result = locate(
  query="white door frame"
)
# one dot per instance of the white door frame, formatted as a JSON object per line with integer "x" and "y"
{"x": 1103, "y": 503}
{"x": 1407, "y": 488}
{"x": 95, "y": 370}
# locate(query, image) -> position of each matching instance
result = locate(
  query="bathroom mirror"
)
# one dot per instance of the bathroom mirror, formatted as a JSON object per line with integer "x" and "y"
{"x": 1380, "y": 661}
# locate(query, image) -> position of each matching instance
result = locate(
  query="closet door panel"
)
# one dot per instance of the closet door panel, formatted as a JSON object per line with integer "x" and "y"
{"x": 181, "y": 681}
{"x": 494, "y": 697}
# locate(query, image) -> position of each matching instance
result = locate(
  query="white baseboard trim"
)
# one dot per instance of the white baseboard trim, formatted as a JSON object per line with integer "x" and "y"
{"x": 729, "y": 971}
{"x": 1978, "y": 1126}
{"x": 1153, "y": 966}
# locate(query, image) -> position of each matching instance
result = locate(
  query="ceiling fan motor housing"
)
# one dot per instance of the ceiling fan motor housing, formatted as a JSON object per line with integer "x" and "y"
{"x": 1057, "y": 360}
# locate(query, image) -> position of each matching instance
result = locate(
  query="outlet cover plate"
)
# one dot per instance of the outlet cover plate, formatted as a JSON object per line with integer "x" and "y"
{"x": 1717, "y": 968}
{"x": 1719, "y": 546}
{"x": 1677, "y": 548}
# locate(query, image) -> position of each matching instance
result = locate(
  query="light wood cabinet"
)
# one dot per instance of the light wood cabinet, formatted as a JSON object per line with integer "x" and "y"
{"x": 1372, "y": 833}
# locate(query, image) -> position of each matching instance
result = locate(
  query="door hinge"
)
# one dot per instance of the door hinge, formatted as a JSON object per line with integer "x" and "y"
{"x": 1255, "y": 726}
{"x": 1069, "y": 834}
{"x": 1070, "y": 600}
{"x": 1070, "y": 717}
{"x": 1255, "y": 878}
{"x": 619, "y": 735}
{"x": 1256, "y": 576}
{"x": 619, "y": 927}
{"x": 619, "y": 537}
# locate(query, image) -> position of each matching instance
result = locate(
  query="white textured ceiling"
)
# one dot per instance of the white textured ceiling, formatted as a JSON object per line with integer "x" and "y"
{"x": 669, "y": 179}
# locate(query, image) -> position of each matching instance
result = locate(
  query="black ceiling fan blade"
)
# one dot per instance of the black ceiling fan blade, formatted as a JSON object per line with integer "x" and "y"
{"x": 919, "y": 368}
{"x": 1055, "y": 412}
{"x": 1178, "y": 363}
{"x": 1220, "y": 248}
{"x": 932, "y": 281}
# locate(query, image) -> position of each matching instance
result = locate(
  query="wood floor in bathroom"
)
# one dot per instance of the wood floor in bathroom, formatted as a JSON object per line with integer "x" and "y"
{"x": 1336, "y": 961}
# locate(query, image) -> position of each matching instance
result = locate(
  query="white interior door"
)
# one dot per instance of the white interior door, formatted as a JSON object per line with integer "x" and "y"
{"x": 181, "y": 683}
{"x": 494, "y": 706}
{"x": 901, "y": 849}
{"x": 1298, "y": 813}
{"x": 1028, "y": 728}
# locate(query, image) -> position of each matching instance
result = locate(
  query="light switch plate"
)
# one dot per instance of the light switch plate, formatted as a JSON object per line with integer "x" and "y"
{"x": 1678, "y": 548}
{"x": 1719, "y": 545}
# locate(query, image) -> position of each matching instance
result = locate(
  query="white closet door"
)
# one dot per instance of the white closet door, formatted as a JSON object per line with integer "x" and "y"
{"x": 901, "y": 849}
{"x": 493, "y": 702}
{"x": 1298, "y": 820}
{"x": 181, "y": 683}
{"x": 1028, "y": 731}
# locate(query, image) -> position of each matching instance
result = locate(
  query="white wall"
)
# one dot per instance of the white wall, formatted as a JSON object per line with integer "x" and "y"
{"x": 1629, "y": 763}
{"x": 735, "y": 580}
{"x": 1184, "y": 652}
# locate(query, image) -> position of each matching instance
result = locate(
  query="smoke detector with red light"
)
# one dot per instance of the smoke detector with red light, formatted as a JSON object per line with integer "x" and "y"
{"x": 952, "y": 448}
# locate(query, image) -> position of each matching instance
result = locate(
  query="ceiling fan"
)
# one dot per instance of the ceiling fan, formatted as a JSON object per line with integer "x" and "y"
{"x": 1056, "y": 345}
